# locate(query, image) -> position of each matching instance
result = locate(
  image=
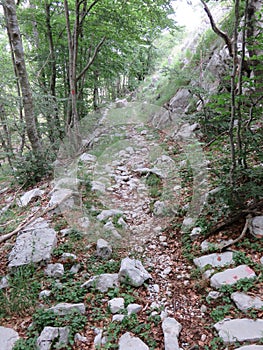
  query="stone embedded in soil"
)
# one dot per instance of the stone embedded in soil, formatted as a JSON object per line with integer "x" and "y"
{"x": 105, "y": 214}
{"x": 132, "y": 272}
{"x": 66, "y": 308}
{"x": 231, "y": 276}
{"x": 4, "y": 282}
{"x": 215, "y": 260}
{"x": 244, "y": 301}
{"x": 54, "y": 270}
{"x": 8, "y": 337}
{"x": 33, "y": 246}
{"x": 24, "y": 200}
{"x": 102, "y": 282}
{"x": 240, "y": 330}
{"x": 133, "y": 308}
{"x": 256, "y": 226}
{"x": 116, "y": 305}
{"x": 104, "y": 249}
{"x": 52, "y": 336}
{"x": 128, "y": 342}
{"x": 171, "y": 330}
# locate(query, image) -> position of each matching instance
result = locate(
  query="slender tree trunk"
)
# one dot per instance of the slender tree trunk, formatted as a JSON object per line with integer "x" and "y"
{"x": 20, "y": 66}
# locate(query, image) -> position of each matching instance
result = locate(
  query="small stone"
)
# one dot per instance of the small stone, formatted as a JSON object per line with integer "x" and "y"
{"x": 214, "y": 294}
{"x": 75, "y": 268}
{"x": 99, "y": 339}
{"x": 68, "y": 257}
{"x": 80, "y": 338}
{"x": 128, "y": 342}
{"x": 156, "y": 288}
{"x": 256, "y": 226}
{"x": 28, "y": 196}
{"x": 52, "y": 336}
{"x": 104, "y": 249}
{"x": 261, "y": 260}
{"x": 162, "y": 238}
{"x": 4, "y": 282}
{"x": 116, "y": 305}
{"x": 117, "y": 318}
{"x": 44, "y": 294}
{"x": 195, "y": 233}
{"x": 231, "y": 276}
{"x": 133, "y": 308}
{"x": 54, "y": 270}
{"x": 102, "y": 282}
{"x": 203, "y": 337}
{"x": 207, "y": 274}
{"x": 66, "y": 308}
{"x": 203, "y": 309}
{"x": 105, "y": 214}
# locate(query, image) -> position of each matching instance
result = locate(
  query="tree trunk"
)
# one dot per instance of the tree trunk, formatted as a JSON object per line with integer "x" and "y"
{"x": 20, "y": 66}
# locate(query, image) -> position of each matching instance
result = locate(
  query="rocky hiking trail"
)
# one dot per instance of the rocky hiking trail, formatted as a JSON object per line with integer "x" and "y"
{"x": 128, "y": 272}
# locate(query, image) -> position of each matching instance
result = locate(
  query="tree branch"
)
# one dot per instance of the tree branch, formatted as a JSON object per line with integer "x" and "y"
{"x": 92, "y": 59}
{"x": 219, "y": 32}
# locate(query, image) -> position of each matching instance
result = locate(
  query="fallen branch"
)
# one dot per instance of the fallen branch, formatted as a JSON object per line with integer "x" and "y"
{"x": 250, "y": 209}
{"x": 241, "y": 236}
{"x": 27, "y": 221}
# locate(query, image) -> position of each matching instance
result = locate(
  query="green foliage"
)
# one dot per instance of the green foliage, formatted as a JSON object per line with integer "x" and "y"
{"x": 154, "y": 183}
{"x": 220, "y": 312}
{"x": 31, "y": 169}
{"x": 22, "y": 294}
{"x": 132, "y": 324}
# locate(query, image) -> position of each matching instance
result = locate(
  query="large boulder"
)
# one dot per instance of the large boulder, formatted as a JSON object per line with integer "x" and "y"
{"x": 132, "y": 272}
{"x": 51, "y": 336}
{"x": 239, "y": 330}
{"x": 8, "y": 337}
{"x": 33, "y": 245}
{"x": 128, "y": 342}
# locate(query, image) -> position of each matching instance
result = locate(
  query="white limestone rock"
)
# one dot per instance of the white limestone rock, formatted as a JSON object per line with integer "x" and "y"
{"x": 8, "y": 337}
{"x": 24, "y": 200}
{"x": 128, "y": 342}
{"x": 44, "y": 294}
{"x": 54, "y": 270}
{"x": 102, "y": 282}
{"x": 4, "y": 282}
{"x": 66, "y": 308}
{"x": 49, "y": 334}
{"x": 256, "y": 226}
{"x": 134, "y": 308}
{"x": 88, "y": 158}
{"x": 105, "y": 214}
{"x": 240, "y": 330}
{"x": 215, "y": 260}
{"x": 117, "y": 318}
{"x": 245, "y": 302}
{"x": 33, "y": 246}
{"x": 132, "y": 272}
{"x": 116, "y": 305}
{"x": 104, "y": 249}
{"x": 171, "y": 330}
{"x": 231, "y": 276}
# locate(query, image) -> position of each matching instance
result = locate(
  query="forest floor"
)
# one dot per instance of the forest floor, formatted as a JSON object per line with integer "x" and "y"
{"x": 154, "y": 206}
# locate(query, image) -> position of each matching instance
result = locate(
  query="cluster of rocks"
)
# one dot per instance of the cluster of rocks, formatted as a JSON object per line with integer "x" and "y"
{"x": 233, "y": 330}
